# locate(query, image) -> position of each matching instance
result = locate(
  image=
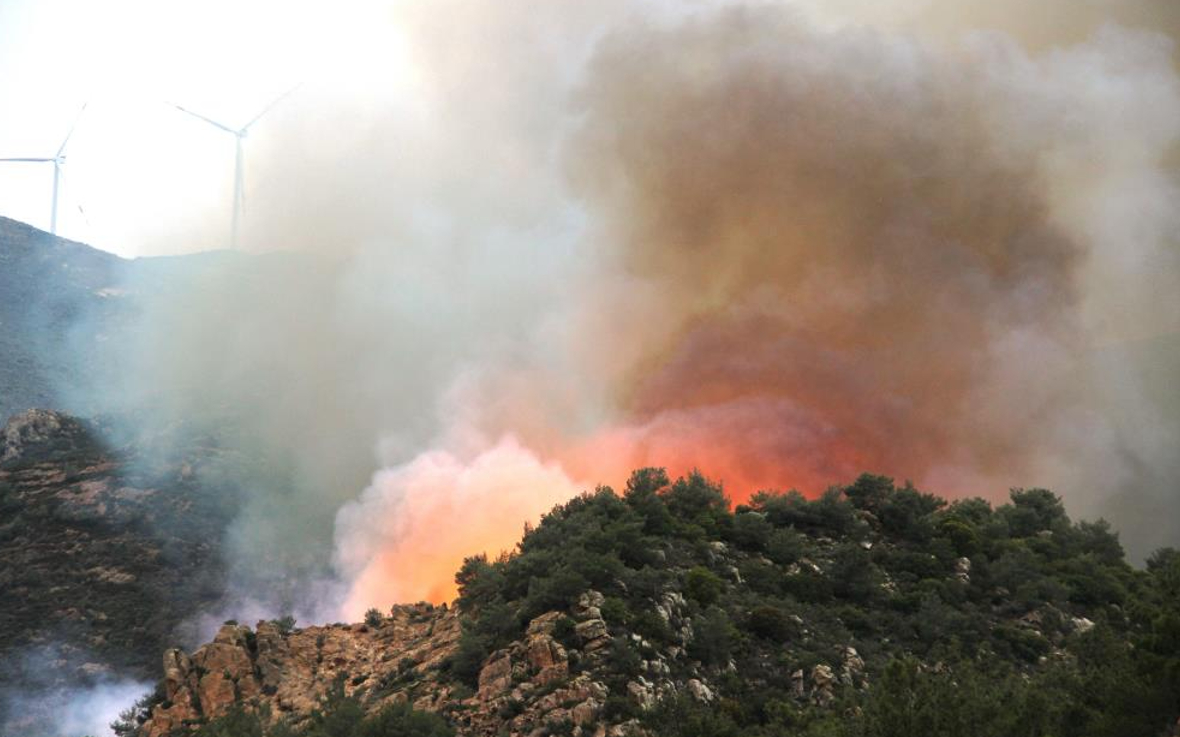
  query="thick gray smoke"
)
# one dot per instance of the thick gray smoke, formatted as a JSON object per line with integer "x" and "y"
{"x": 783, "y": 243}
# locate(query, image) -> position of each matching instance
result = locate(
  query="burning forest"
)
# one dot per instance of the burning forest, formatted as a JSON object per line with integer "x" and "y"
{"x": 800, "y": 263}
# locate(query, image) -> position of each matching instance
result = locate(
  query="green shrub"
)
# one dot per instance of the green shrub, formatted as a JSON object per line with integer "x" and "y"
{"x": 713, "y": 637}
{"x": 785, "y": 546}
{"x": 703, "y": 586}
{"x": 770, "y": 623}
{"x": 614, "y": 611}
{"x": 285, "y": 624}
{"x": 402, "y": 720}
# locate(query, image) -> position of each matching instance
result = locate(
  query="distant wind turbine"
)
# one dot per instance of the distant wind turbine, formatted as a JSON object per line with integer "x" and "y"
{"x": 239, "y": 135}
{"x": 58, "y": 160}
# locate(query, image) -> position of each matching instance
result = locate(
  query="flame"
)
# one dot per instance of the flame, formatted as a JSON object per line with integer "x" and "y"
{"x": 747, "y": 446}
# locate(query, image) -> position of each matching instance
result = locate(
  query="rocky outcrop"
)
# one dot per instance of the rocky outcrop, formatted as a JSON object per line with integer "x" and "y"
{"x": 523, "y": 689}
{"x": 290, "y": 672}
{"x": 103, "y": 552}
{"x": 552, "y": 679}
{"x": 822, "y": 692}
{"x": 963, "y": 570}
{"x": 38, "y": 432}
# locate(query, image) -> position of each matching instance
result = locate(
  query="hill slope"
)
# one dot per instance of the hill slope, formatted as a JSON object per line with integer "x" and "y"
{"x": 52, "y": 292}
{"x": 104, "y": 553}
{"x": 873, "y": 610}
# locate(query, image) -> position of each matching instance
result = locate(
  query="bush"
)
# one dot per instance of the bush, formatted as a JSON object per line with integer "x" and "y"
{"x": 615, "y": 612}
{"x": 1032, "y": 511}
{"x": 703, "y": 586}
{"x": 770, "y": 623}
{"x": 373, "y": 618}
{"x": 565, "y": 632}
{"x": 869, "y": 492}
{"x": 698, "y": 504}
{"x": 466, "y": 662}
{"x": 237, "y": 722}
{"x": 785, "y": 546}
{"x": 285, "y": 624}
{"x": 402, "y": 720}
{"x": 338, "y": 715}
{"x": 713, "y": 637}
{"x": 751, "y": 531}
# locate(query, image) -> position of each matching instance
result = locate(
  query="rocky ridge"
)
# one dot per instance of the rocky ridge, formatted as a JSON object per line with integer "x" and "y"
{"x": 523, "y": 689}
{"x": 544, "y": 683}
{"x": 644, "y": 612}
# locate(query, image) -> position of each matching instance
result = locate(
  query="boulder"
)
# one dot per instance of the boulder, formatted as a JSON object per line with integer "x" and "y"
{"x": 963, "y": 570}
{"x": 642, "y": 693}
{"x": 1081, "y": 624}
{"x": 496, "y": 676}
{"x": 822, "y": 678}
{"x": 585, "y": 712}
{"x": 699, "y": 691}
{"x": 544, "y": 624}
{"x": 852, "y": 669}
{"x": 592, "y": 631}
{"x": 589, "y": 605}
{"x": 798, "y": 686}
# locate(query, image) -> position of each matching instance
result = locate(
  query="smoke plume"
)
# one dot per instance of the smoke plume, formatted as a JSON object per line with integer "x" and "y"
{"x": 783, "y": 244}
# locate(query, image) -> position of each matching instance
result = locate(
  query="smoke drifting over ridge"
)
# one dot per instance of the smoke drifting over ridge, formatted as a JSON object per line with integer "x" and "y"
{"x": 845, "y": 233}
{"x": 782, "y": 248}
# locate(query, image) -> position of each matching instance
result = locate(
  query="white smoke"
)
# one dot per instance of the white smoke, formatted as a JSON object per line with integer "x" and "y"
{"x": 408, "y": 533}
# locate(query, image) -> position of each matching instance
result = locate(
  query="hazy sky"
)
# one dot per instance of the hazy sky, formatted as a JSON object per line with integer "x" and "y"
{"x": 139, "y": 172}
{"x": 143, "y": 178}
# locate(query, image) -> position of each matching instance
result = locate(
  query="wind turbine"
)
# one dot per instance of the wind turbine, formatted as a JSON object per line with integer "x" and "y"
{"x": 239, "y": 135}
{"x": 58, "y": 160}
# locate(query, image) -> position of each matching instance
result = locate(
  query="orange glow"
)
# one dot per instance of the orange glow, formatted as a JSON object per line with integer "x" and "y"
{"x": 748, "y": 447}
{"x": 406, "y": 537}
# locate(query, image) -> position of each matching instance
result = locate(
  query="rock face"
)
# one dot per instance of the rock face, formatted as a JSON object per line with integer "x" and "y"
{"x": 102, "y": 553}
{"x": 290, "y": 672}
{"x": 51, "y": 288}
{"x": 39, "y": 431}
{"x": 523, "y": 689}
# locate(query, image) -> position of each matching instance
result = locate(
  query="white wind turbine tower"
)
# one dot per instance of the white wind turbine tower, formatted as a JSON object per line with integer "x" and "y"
{"x": 239, "y": 135}
{"x": 58, "y": 160}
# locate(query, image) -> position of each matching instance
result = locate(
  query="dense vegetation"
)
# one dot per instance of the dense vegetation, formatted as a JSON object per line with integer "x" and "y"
{"x": 928, "y": 618}
{"x": 971, "y": 620}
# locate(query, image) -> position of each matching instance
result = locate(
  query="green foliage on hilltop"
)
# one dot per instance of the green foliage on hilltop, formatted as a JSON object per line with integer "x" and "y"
{"x": 971, "y": 619}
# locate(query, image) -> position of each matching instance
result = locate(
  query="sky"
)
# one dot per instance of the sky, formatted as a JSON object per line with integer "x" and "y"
{"x": 141, "y": 177}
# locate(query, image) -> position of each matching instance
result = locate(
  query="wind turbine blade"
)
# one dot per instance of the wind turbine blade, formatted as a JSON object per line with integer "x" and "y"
{"x": 210, "y": 121}
{"x": 268, "y": 108}
{"x": 30, "y": 160}
{"x": 62, "y": 147}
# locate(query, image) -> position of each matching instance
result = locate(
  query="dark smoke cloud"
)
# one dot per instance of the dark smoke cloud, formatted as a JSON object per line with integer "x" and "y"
{"x": 831, "y": 219}
{"x": 859, "y": 251}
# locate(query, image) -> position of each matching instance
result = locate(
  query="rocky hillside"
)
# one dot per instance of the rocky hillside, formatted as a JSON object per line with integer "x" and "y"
{"x": 874, "y": 610}
{"x": 104, "y": 552}
{"x": 57, "y": 299}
